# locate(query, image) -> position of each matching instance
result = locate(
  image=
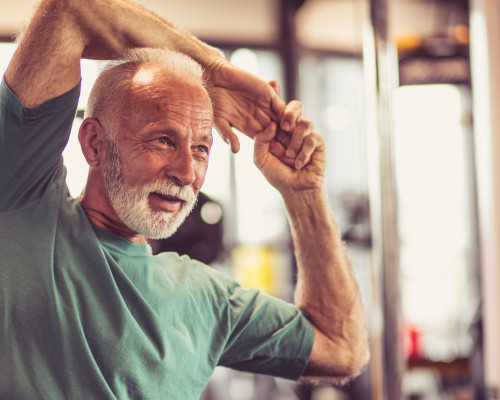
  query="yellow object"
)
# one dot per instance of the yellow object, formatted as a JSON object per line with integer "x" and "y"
{"x": 262, "y": 268}
{"x": 408, "y": 41}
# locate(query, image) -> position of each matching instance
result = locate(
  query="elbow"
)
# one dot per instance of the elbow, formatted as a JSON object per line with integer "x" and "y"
{"x": 339, "y": 375}
{"x": 359, "y": 357}
{"x": 338, "y": 363}
{"x": 355, "y": 360}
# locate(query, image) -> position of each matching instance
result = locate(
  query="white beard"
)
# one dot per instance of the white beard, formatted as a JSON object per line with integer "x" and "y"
{"x": 131, "y": 203}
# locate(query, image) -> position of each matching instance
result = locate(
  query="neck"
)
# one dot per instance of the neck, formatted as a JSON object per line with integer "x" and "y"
{"x": 97, "y": 206}
{"x": 103, "y": 221}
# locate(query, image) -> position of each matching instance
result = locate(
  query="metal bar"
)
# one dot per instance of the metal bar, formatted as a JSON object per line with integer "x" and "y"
{"x": 485, "y": 64}
{"x": 380, "y": 64}
{"x": 288, "y": 46}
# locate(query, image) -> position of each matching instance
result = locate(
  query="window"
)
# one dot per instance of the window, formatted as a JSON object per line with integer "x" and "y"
{"x": 434, "y": 217}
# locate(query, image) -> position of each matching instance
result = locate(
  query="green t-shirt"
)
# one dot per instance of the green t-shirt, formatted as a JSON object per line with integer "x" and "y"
{"x": 85, "y": 314}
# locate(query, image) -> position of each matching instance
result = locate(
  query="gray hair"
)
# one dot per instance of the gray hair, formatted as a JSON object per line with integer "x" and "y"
{"x": 114, "y": 82}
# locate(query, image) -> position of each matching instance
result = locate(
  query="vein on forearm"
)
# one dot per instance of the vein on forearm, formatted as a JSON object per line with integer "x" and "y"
{"x": 326, "y": 286}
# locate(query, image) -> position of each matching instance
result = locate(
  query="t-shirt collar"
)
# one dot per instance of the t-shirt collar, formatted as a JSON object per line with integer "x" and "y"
{"x": 121, "y": 245}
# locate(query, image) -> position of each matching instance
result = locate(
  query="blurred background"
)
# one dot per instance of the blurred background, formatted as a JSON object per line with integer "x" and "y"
{"x": 404, "y": 92}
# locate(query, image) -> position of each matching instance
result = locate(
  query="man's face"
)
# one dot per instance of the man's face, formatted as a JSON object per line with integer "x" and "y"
{"x": 156, "y": 165}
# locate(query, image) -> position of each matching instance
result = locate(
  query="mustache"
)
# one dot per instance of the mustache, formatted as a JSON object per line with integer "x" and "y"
{"x": 168, "y": 187}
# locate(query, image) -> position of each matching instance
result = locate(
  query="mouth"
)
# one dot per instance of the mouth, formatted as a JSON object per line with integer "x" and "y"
{"x": 166, "y": 203}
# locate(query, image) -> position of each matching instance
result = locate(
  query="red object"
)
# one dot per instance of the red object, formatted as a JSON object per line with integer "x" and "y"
{"x": 414, "y": 350}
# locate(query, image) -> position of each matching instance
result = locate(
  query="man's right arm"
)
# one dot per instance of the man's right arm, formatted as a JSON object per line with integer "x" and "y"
{"x": 61, "y": 32}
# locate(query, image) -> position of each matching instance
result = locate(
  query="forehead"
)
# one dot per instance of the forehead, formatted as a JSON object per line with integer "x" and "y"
{"x": 154, "y": 94}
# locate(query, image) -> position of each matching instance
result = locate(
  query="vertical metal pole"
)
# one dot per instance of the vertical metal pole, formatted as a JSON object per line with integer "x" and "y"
{"x": 485, "y": 64}
{"x": 289, "y": 46}
{"x": 381, "y": 79}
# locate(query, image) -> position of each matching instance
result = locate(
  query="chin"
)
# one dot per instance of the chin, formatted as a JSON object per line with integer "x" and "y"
{"x": 159, "y": 225}
{"x": 153, "y": 224}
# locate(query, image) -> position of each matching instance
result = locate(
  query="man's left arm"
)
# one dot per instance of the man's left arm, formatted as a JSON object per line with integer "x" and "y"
{"x": 326, "y": 286}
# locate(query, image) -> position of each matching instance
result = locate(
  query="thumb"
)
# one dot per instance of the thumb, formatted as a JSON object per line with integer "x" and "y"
{"x": 262, "y": 142}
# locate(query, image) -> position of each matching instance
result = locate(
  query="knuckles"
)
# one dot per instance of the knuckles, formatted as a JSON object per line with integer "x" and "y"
{"x": 306, "y": 124}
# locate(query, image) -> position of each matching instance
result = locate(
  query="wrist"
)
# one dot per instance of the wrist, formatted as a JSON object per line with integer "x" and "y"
{"x": 213, "y": 66}
{"x": 305, "y": 199}
{"x": 208, "y": 56}
{"x": 188, "y": 44}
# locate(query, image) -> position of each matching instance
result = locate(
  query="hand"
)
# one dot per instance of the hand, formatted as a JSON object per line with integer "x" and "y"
{"x": 243, "y": 101}
{"x": 291, "y": 163}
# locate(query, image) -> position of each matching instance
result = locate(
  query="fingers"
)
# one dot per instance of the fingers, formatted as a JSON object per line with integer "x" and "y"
{"x": 277, "y": 104}
{"x": 292, "y": 113}
{"x": 302, "y": 143}
{"x": 296, "y": 150}
{"x": 227, "y": 134}
{"x": 283, "y": 138}
{"x": 310, "y": 144}
{"x": 262, "y": 143}
{"x": 279, "y": 151}
{"x": 275, "y": 85}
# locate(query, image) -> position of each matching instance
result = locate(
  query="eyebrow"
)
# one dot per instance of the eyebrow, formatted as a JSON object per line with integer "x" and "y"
{"x": 175, "y": 132}
{"x": 206, "y": 138}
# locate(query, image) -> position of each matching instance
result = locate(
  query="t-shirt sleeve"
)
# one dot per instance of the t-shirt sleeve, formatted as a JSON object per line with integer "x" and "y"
{"x": 268, "y": 335}
{"x": 31, "y": 144}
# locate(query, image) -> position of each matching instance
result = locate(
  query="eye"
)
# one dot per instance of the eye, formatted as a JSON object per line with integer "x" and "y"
{"x": 202, "y": 149}
{"x": 163, "y": 140}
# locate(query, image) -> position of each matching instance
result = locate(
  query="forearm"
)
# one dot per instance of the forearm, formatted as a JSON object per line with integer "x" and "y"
{"x": 322, "y": 262}
{"x": 114, "y": 26}
{"x": 61, "y": 32}
{"x": 326, "y": 286}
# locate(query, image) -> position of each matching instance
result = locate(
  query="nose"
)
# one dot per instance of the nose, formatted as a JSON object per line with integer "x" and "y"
{"x": 181, "y": 167}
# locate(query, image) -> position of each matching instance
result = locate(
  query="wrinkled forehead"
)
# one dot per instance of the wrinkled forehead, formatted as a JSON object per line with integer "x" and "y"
{"x": 158, "y": 88}
{"x": 156, "y": 98}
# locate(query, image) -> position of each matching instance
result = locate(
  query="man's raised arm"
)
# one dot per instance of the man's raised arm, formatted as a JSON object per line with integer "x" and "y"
{"x": 61, "y": 32}
{"x": 326, "y": 286}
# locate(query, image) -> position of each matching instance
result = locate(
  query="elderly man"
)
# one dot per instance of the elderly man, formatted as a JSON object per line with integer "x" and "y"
{"x": 87, "y": 312}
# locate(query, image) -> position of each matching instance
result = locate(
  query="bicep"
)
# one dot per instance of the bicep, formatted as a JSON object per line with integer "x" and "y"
{"x": 46, "y": 63}
{"x": 267, "y": 336}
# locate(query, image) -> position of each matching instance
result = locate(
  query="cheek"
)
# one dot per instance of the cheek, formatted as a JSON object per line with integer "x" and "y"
{"x": 200, "y": 172}
{"x": 141, "y": 172}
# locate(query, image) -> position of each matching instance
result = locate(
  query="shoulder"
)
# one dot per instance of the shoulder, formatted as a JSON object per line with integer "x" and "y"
{"x": 183, "y": 270}
{"x": 11, "y": 103}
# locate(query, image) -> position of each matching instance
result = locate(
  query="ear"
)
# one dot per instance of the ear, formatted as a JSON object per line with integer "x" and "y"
{"x": 90, "y": 135}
